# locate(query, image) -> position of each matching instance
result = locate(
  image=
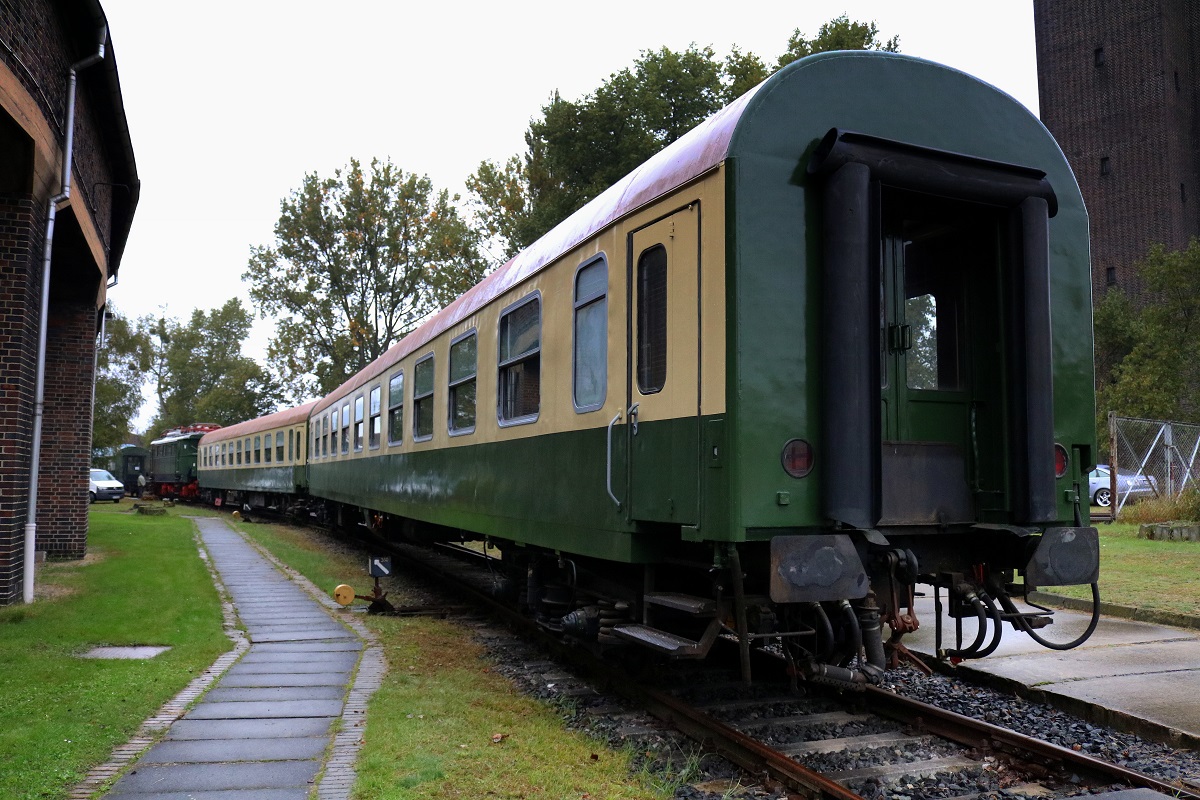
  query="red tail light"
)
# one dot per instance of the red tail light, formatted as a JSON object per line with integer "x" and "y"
{"x": 1061, "y": 461}
{"x": 797, "y": 458}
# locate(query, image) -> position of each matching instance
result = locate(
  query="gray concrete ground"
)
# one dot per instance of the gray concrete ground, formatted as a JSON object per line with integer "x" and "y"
{"x": 1127, "y": 671}
{"x": 262, "y": 732}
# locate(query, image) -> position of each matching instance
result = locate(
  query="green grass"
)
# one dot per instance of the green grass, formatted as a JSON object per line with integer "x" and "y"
{"x": 432, "y": 725}
{"x": 1163, "y": 576}
{"x": 142, "y": 583}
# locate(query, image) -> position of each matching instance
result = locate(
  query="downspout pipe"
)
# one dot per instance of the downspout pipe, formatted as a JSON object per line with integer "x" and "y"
{"x": 43, "y": 321}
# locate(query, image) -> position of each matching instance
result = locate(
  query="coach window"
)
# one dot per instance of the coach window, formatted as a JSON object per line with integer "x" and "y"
{"x": 423, "y": 399}
{"x": 325, "y": 436}
{"x": 376, "y": 414}
{"x": 652, "y": 320}
{"x": 267, "y": 448}
{"x": 222, "y": 455}
{"x": 520, "y": 385}
{"x": 346, "y": 428}
{"x": 358, "y": 424}
{"x": 278, "y": 446}
{"x": 590, "y": 379}
{"x": 315, "y": 447}
{"x": 291, "y": 445}
{"x": 238, "y": 453}
{"x": 396, "y": 408}
{"x": 462, "y": 384}
{"x": 248, "y": 449}
{"x": 257, "y": 449}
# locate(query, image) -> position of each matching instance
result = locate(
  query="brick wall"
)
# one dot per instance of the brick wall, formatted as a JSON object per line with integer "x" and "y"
{"x": 22, "y": 230}
{"x": 1107, "y": 82}
{"x": 66, "y": 430}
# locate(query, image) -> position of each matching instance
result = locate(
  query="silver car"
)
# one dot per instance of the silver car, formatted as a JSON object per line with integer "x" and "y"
{"x": 1137, "y": 487}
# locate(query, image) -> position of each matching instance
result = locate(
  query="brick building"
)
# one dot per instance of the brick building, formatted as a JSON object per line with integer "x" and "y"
{"x": 1120, "y": 82}
{"x": 42, "y": 43}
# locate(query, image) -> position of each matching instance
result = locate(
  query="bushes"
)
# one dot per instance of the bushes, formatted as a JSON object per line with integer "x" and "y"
{"x": 1164, "y": 509}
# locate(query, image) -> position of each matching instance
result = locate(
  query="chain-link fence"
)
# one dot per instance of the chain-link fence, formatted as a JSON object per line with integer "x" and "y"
{"x": 1150, "y": 458}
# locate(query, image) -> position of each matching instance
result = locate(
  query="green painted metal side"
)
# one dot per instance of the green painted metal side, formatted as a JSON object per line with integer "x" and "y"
{"x": 773, "y": 251}
{"x": 548, "y": 491}
{"x": 275, "y": 479}
{"x": 178, "y": 463}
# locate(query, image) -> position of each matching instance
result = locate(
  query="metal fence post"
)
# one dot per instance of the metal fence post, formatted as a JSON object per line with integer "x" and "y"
{"x": 1113, "y": 506}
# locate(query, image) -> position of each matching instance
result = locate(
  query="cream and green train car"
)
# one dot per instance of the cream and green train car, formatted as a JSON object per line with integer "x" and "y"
{"x": 833, "y": 343}
{"x": 260, "y": 463}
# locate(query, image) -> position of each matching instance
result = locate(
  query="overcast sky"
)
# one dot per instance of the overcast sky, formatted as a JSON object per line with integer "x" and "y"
{"x": 230, "y": 103}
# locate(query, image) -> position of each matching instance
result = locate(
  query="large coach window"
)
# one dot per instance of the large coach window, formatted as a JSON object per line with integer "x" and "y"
{"x": 396, "y": 408}
{"x": 652, "y": 320}
{"x": 358, "y": 424}
{"x": 267, "y": 448}
{"x": 462, "y": 384}
{"x": 346, "y": 428}
{"x": 590, "y": 379}
{"x": 521, "y": 362}
{"x": 423, "y": 399}
{"x": 279, "y": 446}
{"x": 257, "y": 449}
{"x": 238, "y": 453}
{"x": 374, "y": 431}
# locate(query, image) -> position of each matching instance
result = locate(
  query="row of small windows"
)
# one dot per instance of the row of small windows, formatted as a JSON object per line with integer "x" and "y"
{"x": 358, "y": 423}
{"x": 519, "y": 376}
{"x": 255, "y": 450}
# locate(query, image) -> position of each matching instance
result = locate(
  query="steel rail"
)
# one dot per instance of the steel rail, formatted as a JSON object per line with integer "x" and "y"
{"x": 744, "y": 751}
{"x": 758, "y": 759}
{"x": 973, "y": 732}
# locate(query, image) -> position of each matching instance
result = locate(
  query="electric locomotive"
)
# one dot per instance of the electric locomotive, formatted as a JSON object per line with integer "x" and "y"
{"x": 833, "y": 343}
{"x": 172, "y": 461}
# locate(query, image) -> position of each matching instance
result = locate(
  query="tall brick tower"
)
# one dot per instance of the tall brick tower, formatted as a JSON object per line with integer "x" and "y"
{"x": 1120, "y": 83}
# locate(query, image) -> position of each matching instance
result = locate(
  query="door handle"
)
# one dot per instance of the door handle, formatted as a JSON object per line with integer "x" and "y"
{"x": 608, "y": 469}
{"x": 633, "y": 418}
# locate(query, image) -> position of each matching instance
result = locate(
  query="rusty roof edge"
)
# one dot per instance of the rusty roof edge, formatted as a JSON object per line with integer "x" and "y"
{"x": 279, "y": 419}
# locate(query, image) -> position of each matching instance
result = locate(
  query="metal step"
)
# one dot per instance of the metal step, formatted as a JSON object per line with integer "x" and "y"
{"x": 696, "y": 606}
{"x": 656, "y": 639}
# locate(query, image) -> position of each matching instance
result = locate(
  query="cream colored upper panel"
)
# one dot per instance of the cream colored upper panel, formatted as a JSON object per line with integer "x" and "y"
{"x": 703, "y": 201}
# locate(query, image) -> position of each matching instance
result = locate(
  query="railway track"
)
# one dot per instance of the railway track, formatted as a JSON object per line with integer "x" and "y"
{"x": 813, "y": 743}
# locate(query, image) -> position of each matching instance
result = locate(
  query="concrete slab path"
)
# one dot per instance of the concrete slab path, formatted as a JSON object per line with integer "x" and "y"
{"x": 264, "y": 730}
{"x": 1138, "y": 675}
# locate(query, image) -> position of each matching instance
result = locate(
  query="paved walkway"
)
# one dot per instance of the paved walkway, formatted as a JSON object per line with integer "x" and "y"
{"x": 262, "y": 732}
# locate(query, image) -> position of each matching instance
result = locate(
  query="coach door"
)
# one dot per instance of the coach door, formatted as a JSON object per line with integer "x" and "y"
{"x": 942, "y": 360}
{"x": 663, "y": 396}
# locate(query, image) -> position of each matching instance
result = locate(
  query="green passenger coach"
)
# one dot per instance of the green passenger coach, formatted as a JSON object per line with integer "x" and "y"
{"x": 832, "y": 343}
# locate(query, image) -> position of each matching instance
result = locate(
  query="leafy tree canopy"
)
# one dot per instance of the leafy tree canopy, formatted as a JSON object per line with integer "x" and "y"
{"x": 1148, "y": 360}
{"x": 201, "y": 373}
{"x": 359, "y": 259}
{"x": 121, "y": 366}
{"x": 577, "y": 149}
{"x": 839, "y": 33}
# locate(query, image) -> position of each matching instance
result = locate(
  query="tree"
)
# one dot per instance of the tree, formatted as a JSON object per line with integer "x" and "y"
{"x": 577, "y": 149}
{"x": 203, "y": 375}
{"x": 1148, "y": 360}
{"x": 122, "y": 361}
{"x": 359, "y": 260}
{"x": 837, "y": 34}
